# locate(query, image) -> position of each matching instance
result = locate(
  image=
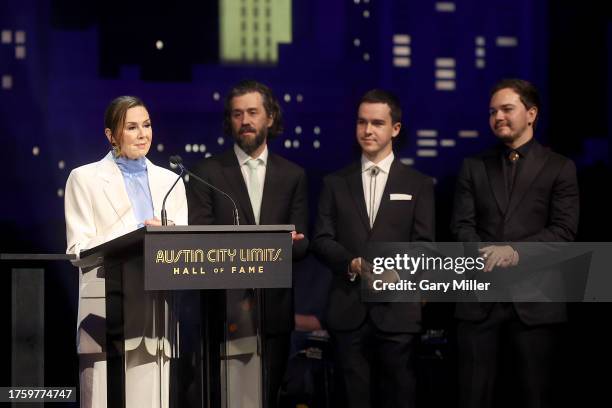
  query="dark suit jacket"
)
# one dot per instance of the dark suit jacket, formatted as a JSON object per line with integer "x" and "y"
{"x": 284, "y": 201}
{"x": 544, "y": 207}
{"x": 343, "y": 231}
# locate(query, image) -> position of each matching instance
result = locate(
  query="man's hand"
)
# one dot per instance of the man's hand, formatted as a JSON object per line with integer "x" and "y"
{"x": 365, "y": 270}
{"x": 359, "y": 267}
{"x": 296, "y": 237}
{"x": 502, "y": 256}
{"x": 354, "y": 269}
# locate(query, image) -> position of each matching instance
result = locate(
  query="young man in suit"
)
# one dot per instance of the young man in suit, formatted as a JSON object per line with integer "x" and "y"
{"x": 374, "y": 342}
{"x": 268, "y": 190}
{"x": 517, "y": 191}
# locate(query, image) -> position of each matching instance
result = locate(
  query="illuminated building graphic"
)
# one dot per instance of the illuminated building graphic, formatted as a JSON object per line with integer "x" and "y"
{"x": 251, "y": 30}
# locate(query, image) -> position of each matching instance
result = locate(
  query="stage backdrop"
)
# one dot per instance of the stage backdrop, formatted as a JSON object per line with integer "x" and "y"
{"x": 62, "y": 61}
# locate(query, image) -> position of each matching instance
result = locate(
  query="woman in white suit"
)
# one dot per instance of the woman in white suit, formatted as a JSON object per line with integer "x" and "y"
{"x": 103, "y": 201}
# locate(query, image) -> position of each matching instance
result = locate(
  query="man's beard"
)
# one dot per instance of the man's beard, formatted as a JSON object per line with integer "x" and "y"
{"x": 509, "y": 138}
{"x": 249, "y": 145}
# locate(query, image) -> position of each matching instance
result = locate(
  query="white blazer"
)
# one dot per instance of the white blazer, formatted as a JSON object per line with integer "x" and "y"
{"x": 98, "y": 209}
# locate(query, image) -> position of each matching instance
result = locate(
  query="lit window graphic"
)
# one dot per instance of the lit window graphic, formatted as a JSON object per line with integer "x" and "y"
{"x": 252, "y": 30}
{"x": 480, "y": 52}
{"x": 506, "y": 41}
{"x": 401, "y": 51}
{"x": 445, "y": 74}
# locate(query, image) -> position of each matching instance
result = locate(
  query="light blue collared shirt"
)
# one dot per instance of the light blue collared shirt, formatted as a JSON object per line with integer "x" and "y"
{"x": 137, "y": 185}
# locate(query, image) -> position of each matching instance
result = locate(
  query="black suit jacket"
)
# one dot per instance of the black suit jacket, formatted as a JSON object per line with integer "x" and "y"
{"x": 342, "y": 233}
{"x": 543, "y": 207}
{"x": 284, "y": 201}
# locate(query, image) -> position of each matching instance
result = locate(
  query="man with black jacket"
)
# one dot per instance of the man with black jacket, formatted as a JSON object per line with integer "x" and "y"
{"x": 375, "y": 199}
{"x": 268, "y": 190}
{"x": 517, "y": 191}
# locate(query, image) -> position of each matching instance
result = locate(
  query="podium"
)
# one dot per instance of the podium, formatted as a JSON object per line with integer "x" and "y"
{"x": 149, "y": 265}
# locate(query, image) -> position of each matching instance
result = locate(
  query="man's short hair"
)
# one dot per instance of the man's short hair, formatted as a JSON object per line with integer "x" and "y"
{"x": 270, "y": 103}
{"x": 527, "y": 92}
{"x": 382, "y": 96}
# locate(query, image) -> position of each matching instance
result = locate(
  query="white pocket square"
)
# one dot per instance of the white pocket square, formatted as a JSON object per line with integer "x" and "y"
{"x": 400, "y": 197}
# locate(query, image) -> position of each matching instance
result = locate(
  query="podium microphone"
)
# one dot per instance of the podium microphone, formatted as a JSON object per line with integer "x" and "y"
{"x": 164, "y": 216}
{"x": 177, "y": 161}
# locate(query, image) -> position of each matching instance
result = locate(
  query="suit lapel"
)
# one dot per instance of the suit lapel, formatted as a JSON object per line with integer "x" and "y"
{"x": 233, "y": 175}
{"x": 392, "y": 184}
{"x": 495, "y": 174}
{"x": 269, "y": 189}
{"x": 115, "y": 192}
{"x": 528, "y": 173}
{"x": 355, "y": 184}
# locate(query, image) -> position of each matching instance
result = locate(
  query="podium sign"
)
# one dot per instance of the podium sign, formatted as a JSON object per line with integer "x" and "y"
{"x": 217, "y": 261}
{"x": 161, "y": 260}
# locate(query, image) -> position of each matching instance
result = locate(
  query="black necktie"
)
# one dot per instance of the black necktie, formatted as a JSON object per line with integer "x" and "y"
{"x": 513, "y": 157}
{"x": 373, "y": 173}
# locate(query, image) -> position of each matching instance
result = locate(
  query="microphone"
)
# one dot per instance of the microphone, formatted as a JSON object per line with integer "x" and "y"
{"x": 164, "y": 216}
{"x": 177, "y": 161}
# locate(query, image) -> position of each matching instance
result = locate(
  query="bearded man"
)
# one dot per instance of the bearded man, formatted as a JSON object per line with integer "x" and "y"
{"x": 268, "y": 190}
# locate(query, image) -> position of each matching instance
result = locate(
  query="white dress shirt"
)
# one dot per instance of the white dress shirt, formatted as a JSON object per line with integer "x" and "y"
{"x": 384, "y": 166}
{"x": 243, "y": 158}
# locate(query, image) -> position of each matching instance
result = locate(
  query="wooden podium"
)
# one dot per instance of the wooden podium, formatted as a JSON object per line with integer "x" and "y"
{"x": 147, "y": 266}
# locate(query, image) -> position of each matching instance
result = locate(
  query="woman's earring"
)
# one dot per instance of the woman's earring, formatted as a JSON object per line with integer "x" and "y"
{"x": 116, "y": 149}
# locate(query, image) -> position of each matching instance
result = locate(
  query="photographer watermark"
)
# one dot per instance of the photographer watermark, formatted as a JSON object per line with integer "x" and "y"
{"x": 487, "y": 272}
